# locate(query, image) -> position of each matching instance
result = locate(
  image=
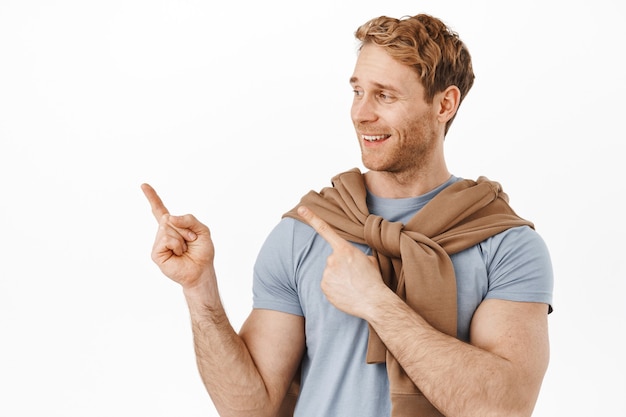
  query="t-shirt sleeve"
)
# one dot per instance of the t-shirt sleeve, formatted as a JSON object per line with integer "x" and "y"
{"x": 274, "y": 280}
{"x": 520, "y": 268}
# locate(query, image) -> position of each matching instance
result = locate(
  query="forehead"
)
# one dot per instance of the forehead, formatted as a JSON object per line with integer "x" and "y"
{"x": 374, "y": 66}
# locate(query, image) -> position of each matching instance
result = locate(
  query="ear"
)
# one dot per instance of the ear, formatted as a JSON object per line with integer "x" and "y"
{"x": 449, "y": 101}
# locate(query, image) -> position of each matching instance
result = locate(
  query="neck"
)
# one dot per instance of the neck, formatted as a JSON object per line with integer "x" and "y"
{"x": 404, "y": 184}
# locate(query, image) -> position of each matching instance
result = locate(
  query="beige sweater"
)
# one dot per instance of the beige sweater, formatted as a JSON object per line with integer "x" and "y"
{"x": 413, "y": 258}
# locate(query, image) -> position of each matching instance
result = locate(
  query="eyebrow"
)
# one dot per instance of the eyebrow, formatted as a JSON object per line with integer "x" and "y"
{"x": 388, "y": 87}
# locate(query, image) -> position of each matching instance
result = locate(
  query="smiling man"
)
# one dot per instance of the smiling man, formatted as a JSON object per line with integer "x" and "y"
{"x": 396, "y": 126}
{"x": 400, "y": 291}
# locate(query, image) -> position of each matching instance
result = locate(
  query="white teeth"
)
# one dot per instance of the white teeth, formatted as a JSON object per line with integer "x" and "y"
{"x": 373, "y": 138}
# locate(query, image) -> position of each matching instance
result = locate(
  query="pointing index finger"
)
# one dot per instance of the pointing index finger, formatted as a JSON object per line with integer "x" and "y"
{"x": 322, "y": 228}
{"x": 158, "y": 208}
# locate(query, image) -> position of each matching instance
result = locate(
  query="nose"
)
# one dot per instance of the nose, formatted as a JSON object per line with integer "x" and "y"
{"x": 363, "y": 109}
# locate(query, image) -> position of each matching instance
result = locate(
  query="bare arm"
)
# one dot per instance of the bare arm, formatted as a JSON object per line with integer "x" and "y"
{"x": 246, "y": 374}
{"x": 498, "y": 373}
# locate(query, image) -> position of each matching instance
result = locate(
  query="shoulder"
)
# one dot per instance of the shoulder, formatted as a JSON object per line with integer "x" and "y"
{"x": 518, "y": 265}
{"x": 289, "y": 244}
{"x": 518, "y": 244}
{"x": 290, "y": 233}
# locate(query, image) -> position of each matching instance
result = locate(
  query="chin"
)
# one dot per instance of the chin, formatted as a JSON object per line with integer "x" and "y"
{"x": 373, "y": 166}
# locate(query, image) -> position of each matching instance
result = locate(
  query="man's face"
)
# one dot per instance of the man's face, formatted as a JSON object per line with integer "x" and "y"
{"x": 397, "y": 129}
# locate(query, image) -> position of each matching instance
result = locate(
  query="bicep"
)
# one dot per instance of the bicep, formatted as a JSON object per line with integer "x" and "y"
{"x": 276, "y": 343}
{"x": 516, "y": 332}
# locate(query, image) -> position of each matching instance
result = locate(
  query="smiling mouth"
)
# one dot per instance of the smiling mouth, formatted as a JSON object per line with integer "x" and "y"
{"x": 375, "y": 138}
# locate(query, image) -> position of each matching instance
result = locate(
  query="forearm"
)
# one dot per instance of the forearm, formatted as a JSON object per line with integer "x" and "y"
{"x": 224, "y": 362}
{"x": 458, "y": 378}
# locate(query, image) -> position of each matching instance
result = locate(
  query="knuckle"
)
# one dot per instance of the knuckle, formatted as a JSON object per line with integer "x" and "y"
{"x": 322, "y": 228}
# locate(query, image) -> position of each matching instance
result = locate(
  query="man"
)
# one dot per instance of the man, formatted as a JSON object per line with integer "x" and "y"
{"x": 401, "y": 291}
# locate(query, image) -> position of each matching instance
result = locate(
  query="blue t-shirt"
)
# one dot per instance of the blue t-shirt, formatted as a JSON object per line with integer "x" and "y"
{"x": 336, "y": 381}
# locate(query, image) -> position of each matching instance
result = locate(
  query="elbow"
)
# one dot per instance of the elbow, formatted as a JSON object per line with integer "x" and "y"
{"x": 266, "y": 408}
{"x": 517, "y": 401}
{"x": 515, "y": 404}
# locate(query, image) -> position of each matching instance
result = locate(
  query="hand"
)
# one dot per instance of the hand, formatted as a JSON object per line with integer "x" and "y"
{"x": 183, "y": 248}
{"x": 352, "y": 281}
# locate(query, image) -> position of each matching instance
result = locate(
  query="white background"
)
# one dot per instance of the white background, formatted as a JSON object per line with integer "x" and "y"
{"x": 235, "y": 109}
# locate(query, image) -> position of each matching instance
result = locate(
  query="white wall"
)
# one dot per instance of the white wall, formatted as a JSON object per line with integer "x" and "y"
{"x": 233, "y": 110}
